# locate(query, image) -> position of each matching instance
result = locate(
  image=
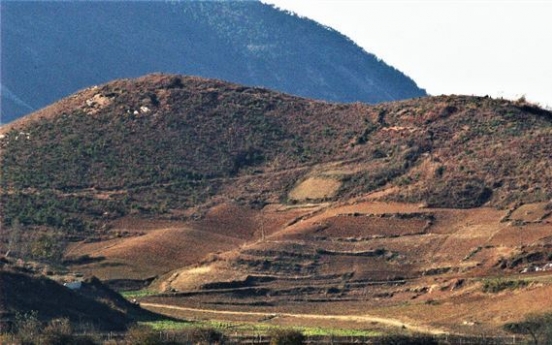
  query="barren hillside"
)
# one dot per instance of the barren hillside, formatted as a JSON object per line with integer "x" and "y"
{"x": 247, "y": 200}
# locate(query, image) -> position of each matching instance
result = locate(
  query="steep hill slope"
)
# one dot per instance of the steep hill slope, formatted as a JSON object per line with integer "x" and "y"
{"x": 43, "y": 55}
{"x": 160, "y": 145}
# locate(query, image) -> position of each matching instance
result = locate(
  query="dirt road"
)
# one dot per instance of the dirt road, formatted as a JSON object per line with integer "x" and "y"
{"x": 354, "y": 318}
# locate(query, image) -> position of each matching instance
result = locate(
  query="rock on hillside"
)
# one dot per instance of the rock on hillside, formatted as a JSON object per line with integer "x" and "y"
{"x": 46, "y": 57}
{"x": 163, "y": 145}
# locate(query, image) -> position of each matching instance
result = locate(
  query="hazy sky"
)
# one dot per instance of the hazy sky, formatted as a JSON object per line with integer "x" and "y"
{"x": 497, "y": 48}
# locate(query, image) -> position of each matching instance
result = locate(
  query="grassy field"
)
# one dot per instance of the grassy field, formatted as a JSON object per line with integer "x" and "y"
{"x": 256, "y": 328}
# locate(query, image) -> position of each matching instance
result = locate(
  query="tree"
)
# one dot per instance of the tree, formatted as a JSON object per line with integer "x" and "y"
{"x": 14, "y": 239}
{"x": 28, "y": 327}
{"x": 537, "y": 326}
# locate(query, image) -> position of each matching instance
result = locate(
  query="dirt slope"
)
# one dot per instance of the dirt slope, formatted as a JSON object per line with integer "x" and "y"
{"x": 386, "y": 260}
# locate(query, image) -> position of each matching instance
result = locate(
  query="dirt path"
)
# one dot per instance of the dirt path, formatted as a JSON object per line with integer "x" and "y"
{"x": 354, "y": 318}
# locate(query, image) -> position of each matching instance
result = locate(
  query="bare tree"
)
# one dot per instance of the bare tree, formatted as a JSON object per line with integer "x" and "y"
{"x": 14, "y": 239}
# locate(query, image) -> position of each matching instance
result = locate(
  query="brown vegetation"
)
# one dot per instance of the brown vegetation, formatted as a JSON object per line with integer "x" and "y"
{"x": 243, "y": 199}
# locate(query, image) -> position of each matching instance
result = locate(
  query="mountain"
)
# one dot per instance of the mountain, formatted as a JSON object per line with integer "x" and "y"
{"x": 51, "y": 49}
{"x": 422, "y": 212}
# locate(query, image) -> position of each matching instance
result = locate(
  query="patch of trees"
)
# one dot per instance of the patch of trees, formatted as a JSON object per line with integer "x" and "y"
{"x": 538, "y": 328}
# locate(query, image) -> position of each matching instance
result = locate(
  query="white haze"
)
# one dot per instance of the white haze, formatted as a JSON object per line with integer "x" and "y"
{"x": 496, "y": 48}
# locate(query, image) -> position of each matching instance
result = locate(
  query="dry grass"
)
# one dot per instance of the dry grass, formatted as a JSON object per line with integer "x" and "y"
{"x": 157, "y": 252}
{"x": 442, "y": 267}
{"x": 316, "y": 254}
{"x": 315, "y": 188}
{"x": 531, "y": 212}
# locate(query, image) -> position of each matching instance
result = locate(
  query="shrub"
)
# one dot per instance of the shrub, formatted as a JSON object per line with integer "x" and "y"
{"x": 67, "y": 339}
{"x": 497, "y": 285}
{"x": 537, "y": 326}
{"x": 458, "y": 193}
{"x": 286, "y": 337}
{"x": 143, "y": 335}
{"x": 7, "y": 338}
{"x": 83, "y": 340}
{"x": 205, "y": 336}
{"x": 28, "y": 327}
{"x": 58, "y": 332}
{"x": 402, "y": 339}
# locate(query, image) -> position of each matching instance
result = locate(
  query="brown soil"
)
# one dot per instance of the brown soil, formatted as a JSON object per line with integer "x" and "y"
{"x": 421, "y": 267}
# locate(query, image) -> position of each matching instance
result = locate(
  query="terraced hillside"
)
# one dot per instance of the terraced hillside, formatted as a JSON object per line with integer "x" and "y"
{"x": 241, "y": 202}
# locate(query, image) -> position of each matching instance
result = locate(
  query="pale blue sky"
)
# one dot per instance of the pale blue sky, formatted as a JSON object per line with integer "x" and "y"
{"x": 497, "y": 48}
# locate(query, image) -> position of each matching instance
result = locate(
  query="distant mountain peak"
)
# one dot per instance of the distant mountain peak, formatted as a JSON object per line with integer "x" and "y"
{"x": 46, "y": 57}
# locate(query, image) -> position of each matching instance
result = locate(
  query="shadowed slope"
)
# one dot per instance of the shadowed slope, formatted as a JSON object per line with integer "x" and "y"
{"x": 93, "y": 305}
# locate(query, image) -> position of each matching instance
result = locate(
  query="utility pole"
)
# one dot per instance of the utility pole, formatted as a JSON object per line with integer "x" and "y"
{"x": 262, "y": 225}
{"x": 520, "y": 236}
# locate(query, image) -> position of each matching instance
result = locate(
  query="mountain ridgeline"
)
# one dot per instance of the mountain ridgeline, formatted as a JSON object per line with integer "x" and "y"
{"x": 168, "y": 145}
{"x": 51, "y": 49}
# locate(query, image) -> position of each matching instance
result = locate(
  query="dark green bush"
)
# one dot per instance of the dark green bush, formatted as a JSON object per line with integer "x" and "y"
{"x": 403, "y": 339}
{"x": 538, "y": 327}
{"x": 143, "y": 335}
{"x": 28, "y": 327}
{"x": 286, "y": 337}
{"x": 497, "y": 285}
{"x": 205, "y": 336}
